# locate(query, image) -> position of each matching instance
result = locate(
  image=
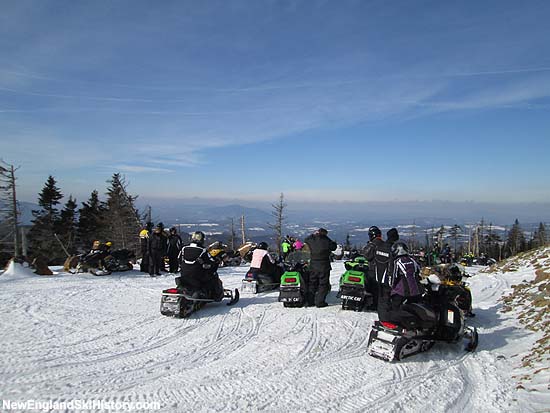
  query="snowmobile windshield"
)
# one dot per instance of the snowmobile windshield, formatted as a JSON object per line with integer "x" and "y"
{"x": 298, "y": 257}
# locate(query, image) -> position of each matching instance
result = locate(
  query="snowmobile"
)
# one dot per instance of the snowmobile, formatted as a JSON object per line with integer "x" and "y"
{"x": 454, "y": 287}
{"x": 352, "y": 290}
{"x": 182, "y": 302}
{"x": 100, "y": 262}
{"x": 292, "y": 292}
{"x": 257, "y": 282}
{"x": 437, "y": 319}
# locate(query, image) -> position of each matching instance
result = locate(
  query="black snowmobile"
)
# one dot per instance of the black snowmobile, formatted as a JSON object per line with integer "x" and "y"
{"x": 353, "y": 292}
{"x": 182, "y": 302}
{"x": 102, "y": 262}
{"x": 257, "y": 282}
{"x": 293, "y": 288}
{"x": 437, "y": 319}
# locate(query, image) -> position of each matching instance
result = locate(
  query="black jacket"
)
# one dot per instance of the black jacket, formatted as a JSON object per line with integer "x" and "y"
{"x": 158, "y": 242}
{"x": 174, "y": 245}
{"x": 320, "y": 247}
{"x": 378, "y": 254}
{"x": 198, "y": 268}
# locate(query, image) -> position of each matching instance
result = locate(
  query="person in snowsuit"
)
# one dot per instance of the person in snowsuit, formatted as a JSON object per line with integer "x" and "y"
{"x": 378, "y": 254}
{"x": 405, "y": 288}
{"x": 199, "y": 269}
{"x": 158, "y": 244}
{"x": 174, "y": 247}
{"x": 263, "y": 263}
{"x": 144, "y": 246}
{"x": 286, "y": 246}
{"x": 320, "y": 247}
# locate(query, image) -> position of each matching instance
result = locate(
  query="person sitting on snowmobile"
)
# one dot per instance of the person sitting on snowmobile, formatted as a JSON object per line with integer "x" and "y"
{"x": 405, "y": 288}
{"x": 263, "y": 263}
{"x": 198, "y": 269}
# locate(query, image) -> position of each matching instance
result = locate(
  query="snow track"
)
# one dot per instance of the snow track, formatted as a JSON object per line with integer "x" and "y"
{"x": 83, "y": 337}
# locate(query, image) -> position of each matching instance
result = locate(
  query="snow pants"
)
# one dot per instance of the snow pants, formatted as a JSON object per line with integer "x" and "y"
{"x": 157, "y": 262}
{"x": 318, "y": 285}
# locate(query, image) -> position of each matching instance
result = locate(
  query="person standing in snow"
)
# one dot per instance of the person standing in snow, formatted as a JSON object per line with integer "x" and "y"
{"x": 378, "y": 254}
{"x": 174, "y": 248}
{"x": 144, "y": 246}
{"x": 158, "y": 243}
{"x": 320, "y": 246}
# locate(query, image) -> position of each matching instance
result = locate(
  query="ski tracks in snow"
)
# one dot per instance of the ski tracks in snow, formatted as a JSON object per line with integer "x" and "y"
{"x": 72, "y": 337}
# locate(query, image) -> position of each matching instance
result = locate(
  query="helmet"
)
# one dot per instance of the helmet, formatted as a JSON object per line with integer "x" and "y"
{"x": 109, "y": 243}
{"x": 399, "y": 248}
{"x": 374, "y": 232}
{"x": 173, "y": 230}
{"x": 160, "y": 225}
{"x": 262, "y": 246}
{"x": 197, "y": 237}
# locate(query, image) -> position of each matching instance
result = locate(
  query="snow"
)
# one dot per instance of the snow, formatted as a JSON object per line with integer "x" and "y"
{"x": 84, "y": 337}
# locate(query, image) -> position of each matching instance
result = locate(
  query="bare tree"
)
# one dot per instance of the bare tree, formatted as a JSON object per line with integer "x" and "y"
{"x": 232, "y": 235}
{"x": 277, "y": 226}
{"x": 243, "y": 232}
{"x": 9, "y": 212}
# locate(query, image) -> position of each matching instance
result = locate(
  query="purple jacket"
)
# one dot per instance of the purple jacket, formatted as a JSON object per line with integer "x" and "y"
{"x": 405, "y": 277}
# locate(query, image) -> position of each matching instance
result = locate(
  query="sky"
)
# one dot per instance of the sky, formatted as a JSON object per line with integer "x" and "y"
{"x": 321, "y": 100}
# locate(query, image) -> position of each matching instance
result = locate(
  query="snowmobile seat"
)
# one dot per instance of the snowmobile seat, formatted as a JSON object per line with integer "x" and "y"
{"x": 427, "y": 317}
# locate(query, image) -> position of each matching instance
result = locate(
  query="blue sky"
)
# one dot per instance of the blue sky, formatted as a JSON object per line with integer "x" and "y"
{"x": 321, "y": 100}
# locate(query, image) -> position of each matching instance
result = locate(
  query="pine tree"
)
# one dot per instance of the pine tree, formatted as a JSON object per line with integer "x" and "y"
{"x": 347, "y": 245}
{"x": 122, "y": 218}
{"x": 67, "y": 226}
{"x": 42, "y": 241}
{"x": 538, "y": 238}
{"x": 91, "y": 222}
{"x": 516, "y": 239}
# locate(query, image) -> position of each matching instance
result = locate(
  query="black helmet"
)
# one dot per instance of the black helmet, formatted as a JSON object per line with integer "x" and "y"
{"x": 173, "y": 230}
{"x": 262, "y": 246}
{"x": 392, "y": 235}
{"x": 197, "y": 237}
{"x": 160, "y": 225}
{"x": 399, "y": 248}
{"x": 374, "y": 232}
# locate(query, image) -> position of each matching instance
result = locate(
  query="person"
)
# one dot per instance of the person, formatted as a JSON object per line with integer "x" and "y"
{"x": 297, "y": 245}
{"x": 157, "y": 246}
{"x": 378, "y": 254}
{"x": 199, "y": 269}
{"x": 144, "y": 246}
{"x": 263, "y": 263}
{"x": 173, "y": 250}
{"x": 405, "y": 287}
{"x": 320, "y": 247}
{"x": 286, "y": 246}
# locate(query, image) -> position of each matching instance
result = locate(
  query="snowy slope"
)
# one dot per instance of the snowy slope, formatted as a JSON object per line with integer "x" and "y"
{"x": 83, "y": 337}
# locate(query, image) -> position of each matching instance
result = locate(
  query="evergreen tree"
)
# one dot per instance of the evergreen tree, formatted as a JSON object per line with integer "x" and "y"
{"x": 493, "y": 244}
{"x": 539, "y": 237}
{"x": 122, "y": 218}
{"x": 516, "y": 239}
{"x": 42, "y": 241}
{"x": 347, "y": 245}
{"x": 67, "y": 226}
{"x": 91, "y": 222}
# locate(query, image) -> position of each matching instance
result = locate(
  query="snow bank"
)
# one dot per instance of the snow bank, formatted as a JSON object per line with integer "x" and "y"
{"x": 17, "y": 270}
